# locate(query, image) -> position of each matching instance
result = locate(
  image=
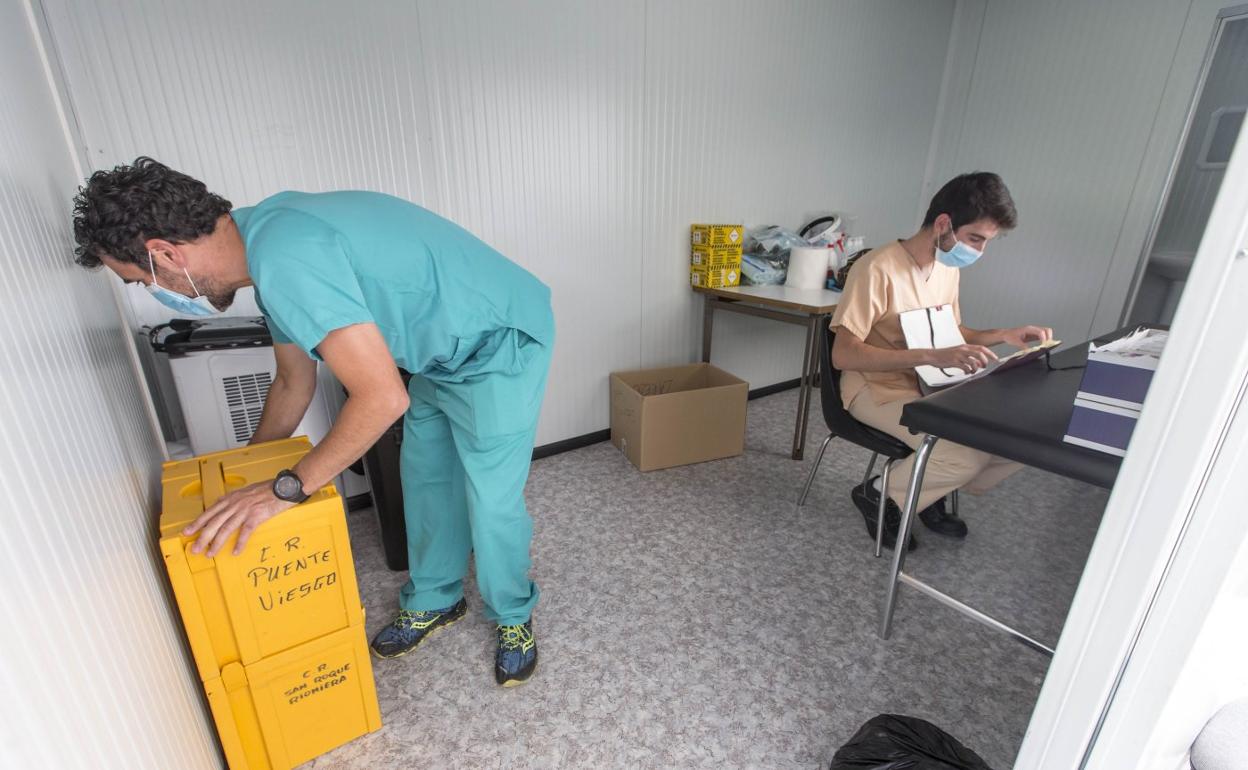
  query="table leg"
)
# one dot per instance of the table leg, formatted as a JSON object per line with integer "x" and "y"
{"x": 708, "y": 321}
{"x": 903, "y": 535}
{"x": 809, "y": 364}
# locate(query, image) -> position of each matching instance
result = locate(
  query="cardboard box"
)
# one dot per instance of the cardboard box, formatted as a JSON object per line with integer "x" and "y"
{"x": 715, "y": 279}
{"x": 715, "y": 257}
{"x": 284, "y": 710}
{"x": 295, "y": 580}
{"x": 716, "y": 235}
{"x": 661, "y": 418}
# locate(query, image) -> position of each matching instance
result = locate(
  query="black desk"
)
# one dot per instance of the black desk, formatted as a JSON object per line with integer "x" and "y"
{"x": 1020, "y": 414}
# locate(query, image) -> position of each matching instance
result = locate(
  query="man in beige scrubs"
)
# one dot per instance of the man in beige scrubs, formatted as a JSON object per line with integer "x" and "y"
{"x": 878, "y": 376}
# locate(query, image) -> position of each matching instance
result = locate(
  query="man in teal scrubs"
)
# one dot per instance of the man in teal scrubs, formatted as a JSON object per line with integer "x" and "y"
{"x": 367, "y": 283}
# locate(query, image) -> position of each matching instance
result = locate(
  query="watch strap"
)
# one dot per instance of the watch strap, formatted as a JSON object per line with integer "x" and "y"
{"x": 297, "y": 498}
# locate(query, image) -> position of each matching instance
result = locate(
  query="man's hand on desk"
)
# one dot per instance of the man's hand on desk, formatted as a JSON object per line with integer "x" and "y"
{"x": 968, "y": 358}
{"x": 1026, "y": 336}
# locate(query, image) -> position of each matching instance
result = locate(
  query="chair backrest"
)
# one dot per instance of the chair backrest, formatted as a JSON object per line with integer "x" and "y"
{"x": 838, "y": 418}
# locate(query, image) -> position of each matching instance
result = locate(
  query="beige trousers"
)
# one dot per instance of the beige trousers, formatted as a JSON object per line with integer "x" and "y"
{"x": 950, "y": 466}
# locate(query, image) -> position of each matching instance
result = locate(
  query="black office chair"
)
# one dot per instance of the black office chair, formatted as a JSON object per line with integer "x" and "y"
{"x": 842, "y": 423}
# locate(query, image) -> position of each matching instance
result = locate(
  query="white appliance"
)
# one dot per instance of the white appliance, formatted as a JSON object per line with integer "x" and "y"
{"x": 223, "y": 393}
{"x": 222, "y": 369}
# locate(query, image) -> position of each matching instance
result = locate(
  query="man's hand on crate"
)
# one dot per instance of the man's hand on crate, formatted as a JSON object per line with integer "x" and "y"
{"x": 241, "y": 510}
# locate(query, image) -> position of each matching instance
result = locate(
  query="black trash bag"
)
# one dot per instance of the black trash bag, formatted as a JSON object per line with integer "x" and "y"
{"x": 894, "y": 742}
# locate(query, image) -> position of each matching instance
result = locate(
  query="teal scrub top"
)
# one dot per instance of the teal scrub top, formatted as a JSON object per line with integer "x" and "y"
{"x": 446, "y": 303}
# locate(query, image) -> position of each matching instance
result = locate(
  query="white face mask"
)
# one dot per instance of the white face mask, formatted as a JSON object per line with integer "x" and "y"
{"x": 178, "y": 303}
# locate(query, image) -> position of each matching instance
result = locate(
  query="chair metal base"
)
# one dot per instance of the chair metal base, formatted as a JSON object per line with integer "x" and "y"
{"x": 866, "y": 478}
{"x": 879, "y": 514}
{"x": 810, "y": 478}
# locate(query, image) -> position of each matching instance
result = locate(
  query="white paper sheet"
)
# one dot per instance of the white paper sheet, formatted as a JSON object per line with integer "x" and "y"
{"x": 929, "y": 329}
{"x": 936, "y": 327}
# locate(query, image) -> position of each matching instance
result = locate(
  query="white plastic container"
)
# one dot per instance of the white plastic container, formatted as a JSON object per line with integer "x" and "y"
{"x": 808, "y": 267}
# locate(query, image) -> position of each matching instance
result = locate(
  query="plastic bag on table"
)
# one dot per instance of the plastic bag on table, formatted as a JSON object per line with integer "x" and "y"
{"x": 773, "y": 242}
{"x": 894, "y": 742}
{"x": 760, "y": 271}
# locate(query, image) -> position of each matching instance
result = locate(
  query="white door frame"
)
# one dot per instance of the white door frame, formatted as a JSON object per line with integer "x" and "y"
{"x": 1168, "y": 539}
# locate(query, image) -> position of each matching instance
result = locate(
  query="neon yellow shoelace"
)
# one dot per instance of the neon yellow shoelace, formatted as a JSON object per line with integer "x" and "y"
{"x": 516, "y": 638}
{"x": 410, "y": 619}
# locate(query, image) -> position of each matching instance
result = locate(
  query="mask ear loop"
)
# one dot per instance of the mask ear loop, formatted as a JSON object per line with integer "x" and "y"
{"x": 192, "y": 280}
{"x": 151, "y": 266}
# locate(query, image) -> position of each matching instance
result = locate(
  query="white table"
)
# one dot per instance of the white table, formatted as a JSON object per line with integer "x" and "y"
{"x": 804, "y": 307}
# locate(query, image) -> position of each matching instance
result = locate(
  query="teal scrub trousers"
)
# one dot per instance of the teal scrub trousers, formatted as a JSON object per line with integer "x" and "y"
{"x": 467, "y": 447}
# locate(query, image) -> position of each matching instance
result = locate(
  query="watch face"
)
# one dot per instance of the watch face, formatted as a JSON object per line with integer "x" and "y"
{"x": 288, "y": 487}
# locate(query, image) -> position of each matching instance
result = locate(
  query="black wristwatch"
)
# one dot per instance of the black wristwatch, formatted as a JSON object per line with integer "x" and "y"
{"x": 289, "y": 487}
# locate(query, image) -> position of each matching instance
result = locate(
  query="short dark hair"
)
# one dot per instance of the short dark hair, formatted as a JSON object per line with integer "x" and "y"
{"x": 117, "y": 211}
{"x": 970, "y": 197}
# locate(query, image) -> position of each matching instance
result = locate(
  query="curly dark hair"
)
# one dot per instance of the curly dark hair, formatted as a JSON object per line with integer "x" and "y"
{"x": 119, "y": 210}
{"x": 969, "y": 197}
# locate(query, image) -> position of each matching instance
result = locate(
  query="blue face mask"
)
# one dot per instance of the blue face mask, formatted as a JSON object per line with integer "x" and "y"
{"x": 199, "y": 306}
{"x": 960, "y": 255}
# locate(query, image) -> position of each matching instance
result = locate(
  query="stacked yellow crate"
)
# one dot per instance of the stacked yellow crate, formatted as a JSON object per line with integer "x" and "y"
{"x": 277, "y": 632}
{"x": 715, "y": 259}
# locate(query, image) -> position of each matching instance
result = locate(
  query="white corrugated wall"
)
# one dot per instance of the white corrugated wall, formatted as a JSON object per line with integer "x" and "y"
{"x": 1194, "y": 188}
{"x": 773, "y": 113}
{"x": 92, "y": 664}
{"x": 579, "y": 138}
{"x": 1079, "y": 106}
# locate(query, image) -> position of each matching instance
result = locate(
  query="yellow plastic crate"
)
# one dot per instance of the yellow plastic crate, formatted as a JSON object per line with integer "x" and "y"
{"x": 716, "y": 235}
{"x": 294, "y": 582}
{"x": 715, "y": 279}
{"x": 296, "y": 705}
{"x": 715, "y": 257}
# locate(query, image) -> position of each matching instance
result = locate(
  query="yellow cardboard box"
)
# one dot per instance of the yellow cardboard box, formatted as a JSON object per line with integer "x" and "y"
{"x": 288, "y": 708}
{"x": 713, "y": 257}
{"x": 715, "y": 279}
{"x": 294, "y": 582}
{"x": 716, "y": 235}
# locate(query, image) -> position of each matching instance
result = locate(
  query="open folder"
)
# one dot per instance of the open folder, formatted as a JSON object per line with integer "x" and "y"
{"x": 936, "y": 327}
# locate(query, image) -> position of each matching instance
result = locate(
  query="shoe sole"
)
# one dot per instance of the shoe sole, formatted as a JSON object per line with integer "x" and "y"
{"x": 516, "y": 683}
{"x": 936, "y": 530}
{"x": 423, "y": 639}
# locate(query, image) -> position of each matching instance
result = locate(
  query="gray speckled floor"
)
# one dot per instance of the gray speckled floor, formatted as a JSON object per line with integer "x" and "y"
{"x": 696, "y": 617}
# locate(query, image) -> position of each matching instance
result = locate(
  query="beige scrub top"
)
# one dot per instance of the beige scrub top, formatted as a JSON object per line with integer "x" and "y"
{"x": 881, "y": 286}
